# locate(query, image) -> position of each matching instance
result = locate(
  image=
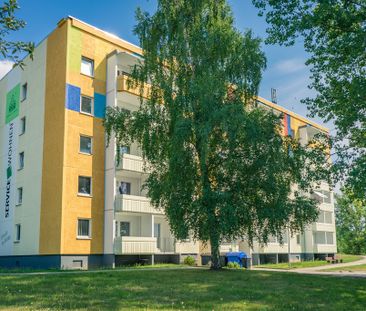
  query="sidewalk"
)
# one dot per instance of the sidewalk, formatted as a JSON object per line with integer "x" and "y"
{"x": 321, "y": 269}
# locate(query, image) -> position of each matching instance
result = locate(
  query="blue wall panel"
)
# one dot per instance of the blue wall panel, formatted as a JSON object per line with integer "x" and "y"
{"x": 72, "y": 97}
{"x": 99, "y": 105}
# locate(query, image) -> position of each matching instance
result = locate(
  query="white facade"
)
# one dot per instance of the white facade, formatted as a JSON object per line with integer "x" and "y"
{"x": 132, "y": 225}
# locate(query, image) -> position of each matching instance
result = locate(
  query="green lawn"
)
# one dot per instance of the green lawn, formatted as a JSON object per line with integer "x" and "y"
{"x": 181, "y": 289}
{"x": 295, "y": 265}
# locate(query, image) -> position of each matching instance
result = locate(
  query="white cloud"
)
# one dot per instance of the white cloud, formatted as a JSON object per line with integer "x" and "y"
{"x": 289, "y": 66}
{"x": 5, "y": 66}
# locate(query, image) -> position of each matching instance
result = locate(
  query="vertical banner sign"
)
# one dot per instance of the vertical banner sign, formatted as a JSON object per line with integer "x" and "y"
{"x": 9, "y": 171}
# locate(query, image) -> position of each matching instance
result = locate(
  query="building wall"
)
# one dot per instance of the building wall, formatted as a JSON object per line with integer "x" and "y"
{"x": 53, "y": 181}
{"x": 86, "y": 41}
{"x": 29, "y": 178}
{"x": 31, "y": 143}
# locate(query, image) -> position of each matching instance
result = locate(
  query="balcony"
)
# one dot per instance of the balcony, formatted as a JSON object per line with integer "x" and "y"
{"x": 122, "y": 86}
{"x": 134, "y": 245}
{"x": 135, "y": 204}
{"x": 130, "y": 162}
{"x": 165, "y": 245}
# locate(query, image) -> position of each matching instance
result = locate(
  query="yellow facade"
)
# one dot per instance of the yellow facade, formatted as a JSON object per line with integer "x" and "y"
{"x": 53, "y": 154}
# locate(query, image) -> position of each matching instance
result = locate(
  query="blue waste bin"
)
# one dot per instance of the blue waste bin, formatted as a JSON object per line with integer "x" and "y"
{"x": 236, "y": 257}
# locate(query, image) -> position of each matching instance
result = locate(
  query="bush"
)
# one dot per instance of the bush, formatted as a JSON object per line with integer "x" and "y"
{"x": 233, "y": 265}
{"x": 189, "y": 261}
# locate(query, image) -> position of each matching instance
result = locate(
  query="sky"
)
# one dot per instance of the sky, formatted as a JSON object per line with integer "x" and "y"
{"x": 286, "y": 70}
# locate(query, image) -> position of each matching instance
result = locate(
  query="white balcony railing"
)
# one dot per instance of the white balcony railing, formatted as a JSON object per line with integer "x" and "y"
{"x": 135, "y": 204}
{"x": 130, "y": 162}
{"x": 134, "y": 245}
{"x": 165, "y": 245}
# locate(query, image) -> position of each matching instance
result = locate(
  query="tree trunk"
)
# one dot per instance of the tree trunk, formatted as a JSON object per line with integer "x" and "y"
{"x": 215, "y": 251}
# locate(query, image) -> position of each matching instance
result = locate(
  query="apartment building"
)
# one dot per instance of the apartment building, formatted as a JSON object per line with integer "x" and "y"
{"x": 67, "y": 201}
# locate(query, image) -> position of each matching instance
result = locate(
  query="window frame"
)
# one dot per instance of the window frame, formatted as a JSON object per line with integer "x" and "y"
{"x": 129, "y": 228}
{"x": 84, "y": 237}
{"x": 325, "y": 237}
{"x": 24, "y": 91}
{"x": 128, "y": 187}
{"x": 91, "y": 144}
{"x": 91, "y": 186}
{"x": 23, "y": 125}
{"x": 21, "y": 164}
{"x": 92, "y": 105}
{"x": 84, "y": 58}
{"x": 18, "y": 233}
{"x": 19, "y": 190}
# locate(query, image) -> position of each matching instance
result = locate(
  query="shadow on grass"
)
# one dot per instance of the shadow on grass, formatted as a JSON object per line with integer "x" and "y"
{"x": 182, "y": 289}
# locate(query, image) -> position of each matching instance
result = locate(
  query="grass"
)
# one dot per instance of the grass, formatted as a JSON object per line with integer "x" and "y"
{"x": 181, "y": 289}
{"x": 295, "y": 265}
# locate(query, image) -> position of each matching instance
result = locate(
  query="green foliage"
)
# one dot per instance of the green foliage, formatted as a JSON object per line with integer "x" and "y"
{"x": 9, "y": 23}
{"x": 233, "y": 265}
{"x": 189, "y": 261}
{"x": 351, "y": 224}
{"x": 218, "y": 166}
{"x": 334, "y": 35}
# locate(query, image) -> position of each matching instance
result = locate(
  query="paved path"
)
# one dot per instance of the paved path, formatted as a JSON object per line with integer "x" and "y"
{"x": 321, "y": 270}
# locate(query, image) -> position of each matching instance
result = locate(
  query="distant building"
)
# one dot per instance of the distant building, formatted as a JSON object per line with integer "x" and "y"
{"x": 65, "y": 200}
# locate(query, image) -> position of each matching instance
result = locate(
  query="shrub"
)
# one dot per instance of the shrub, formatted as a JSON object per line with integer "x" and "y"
{"x": 189, "y": 261}
{"x": 233, "y": 265}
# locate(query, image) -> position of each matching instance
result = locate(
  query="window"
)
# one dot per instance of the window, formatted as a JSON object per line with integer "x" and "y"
{"x": 24, "y": 91}
{"x": 17, "y": 232}
{"x": 124, "y": 188}
{"x": 321, "y": 237}
{"x": 19, "y": 196}
{"x": 86, "y": 105}
{"x": 84, "y": 185}
{"x": 322, "y": 196}
{"x": 21, "y": 161}
{"x": 329, "y": 237}
{"x": 298, "y": 239}
{"x": 125, "y": 149}
{"x": 124, "y": 228}
{"x": 328, "y": 217}
{"x": 84, "y": 228}
{"x": 325, "y": 217}
{"x": 87, "y": 66}
{"x": 85, "y": 144}
{"x": 22, "y": 126}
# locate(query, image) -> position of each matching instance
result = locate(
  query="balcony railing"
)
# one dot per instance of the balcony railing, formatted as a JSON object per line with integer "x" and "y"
{"x": 130, "y": 162}
{"x": 165, "y": 245}
{"x": 134, "y": 245}
{"x": 122, "y": 86}
{"x": 136, "y": 204}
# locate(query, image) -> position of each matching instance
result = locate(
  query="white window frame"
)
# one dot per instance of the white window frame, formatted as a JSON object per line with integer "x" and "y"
{"x": 88, "y": 60}
{"x": 325, "y": 237}
{"x": 20, "y": 167}
{"x": 23, "y": 125}
{"x": 91, "y": 187}
{"x": 84, "y": 237}
{"x": 92, "y": 105}
{"x": 19, "y": 202}
{"x": 91, "y": 144}
{"x": 24, "y": 91}
{"x": 18, "y": 233}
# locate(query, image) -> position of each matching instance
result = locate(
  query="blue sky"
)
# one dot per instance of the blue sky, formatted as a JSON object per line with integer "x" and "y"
{"x": 285, "y": 68}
